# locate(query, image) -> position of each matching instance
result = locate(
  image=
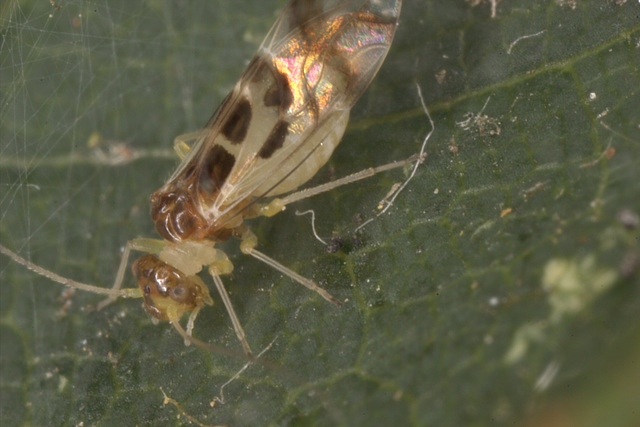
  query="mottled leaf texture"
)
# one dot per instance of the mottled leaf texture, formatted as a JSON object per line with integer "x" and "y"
{"x": 500, "y": 289}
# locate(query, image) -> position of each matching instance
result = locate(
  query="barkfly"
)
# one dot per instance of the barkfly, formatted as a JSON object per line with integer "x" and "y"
{"x": 272, "y": 133}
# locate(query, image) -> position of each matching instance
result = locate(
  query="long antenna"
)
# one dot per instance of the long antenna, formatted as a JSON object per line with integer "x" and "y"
{"x": 124, "y": 293}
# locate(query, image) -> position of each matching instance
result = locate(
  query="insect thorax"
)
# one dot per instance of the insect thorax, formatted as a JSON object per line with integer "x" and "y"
{"x": 177, "y": 218}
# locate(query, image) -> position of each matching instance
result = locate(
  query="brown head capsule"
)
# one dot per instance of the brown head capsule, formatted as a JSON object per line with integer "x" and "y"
{"x": 167, "y": 293}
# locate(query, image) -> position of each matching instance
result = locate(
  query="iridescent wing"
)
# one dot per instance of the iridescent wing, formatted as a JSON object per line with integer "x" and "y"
{"x": 288, "y": 111}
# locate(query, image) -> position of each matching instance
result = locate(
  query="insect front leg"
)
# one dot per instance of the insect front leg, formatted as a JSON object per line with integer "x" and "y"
{"x": 140, "y": 244}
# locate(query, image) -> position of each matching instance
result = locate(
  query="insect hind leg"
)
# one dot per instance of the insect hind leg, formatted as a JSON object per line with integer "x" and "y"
{"x": 309, "y": 284}
{"x": 248, "y": 245}
{"x": 278, "y": 204}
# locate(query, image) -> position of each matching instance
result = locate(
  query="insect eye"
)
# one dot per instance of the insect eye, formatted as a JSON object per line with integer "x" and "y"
{"x": 180, "y": 293}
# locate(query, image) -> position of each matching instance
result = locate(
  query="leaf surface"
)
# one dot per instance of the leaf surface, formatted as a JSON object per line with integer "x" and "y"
{"x": 505, "y": 274}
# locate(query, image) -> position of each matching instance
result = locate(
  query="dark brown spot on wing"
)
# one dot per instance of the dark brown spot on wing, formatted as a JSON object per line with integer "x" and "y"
{"x": 257, "y": 70}
{"x": 237, "y": 123}
{"x": 275, "y": 140}
{"x": 216, "y": 168}
{"x": 279, "y": 93}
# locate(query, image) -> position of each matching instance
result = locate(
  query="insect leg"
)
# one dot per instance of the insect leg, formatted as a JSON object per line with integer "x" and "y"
{"x": 247, "y": 246}
{"x": 277, "y": 204}
{"x": 232, "y": 313}
{"x": 180, "y": 144}
{"x": 212, "y": 348}
{"x": 191, "y": 322}
{"x": 142, "y": 245}
{"x": 295, "y": 276}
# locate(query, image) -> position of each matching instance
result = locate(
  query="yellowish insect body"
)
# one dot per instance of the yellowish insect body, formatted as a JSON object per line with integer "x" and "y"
{"x": 272, "y": 133}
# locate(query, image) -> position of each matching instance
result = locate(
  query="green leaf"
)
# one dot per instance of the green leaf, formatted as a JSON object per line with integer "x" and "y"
{"x": 504, "y": 277}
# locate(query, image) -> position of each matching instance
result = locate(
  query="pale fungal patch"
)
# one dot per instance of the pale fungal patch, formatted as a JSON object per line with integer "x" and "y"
{"x": 313, "y": 224}
{"x": 618, "y": 134}
{"x": 240, "y": 371}
{"x": 547, "y": 376}
{"x": 493, "y": 3}
{"x": 481, "y": 123}
{"x": 571, "y": 285}
{"x": 382, "y": 204}
{"x": 387, "y": 202}
{"x": 519, "y": 39}
{"x": 218, "y": 399}
{"x": 528, "y": 192}
{"x": 609, "y": 152}
{"x": 573, "y": 4}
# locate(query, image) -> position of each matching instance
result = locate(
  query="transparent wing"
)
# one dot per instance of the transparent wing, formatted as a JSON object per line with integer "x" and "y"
{"x": 289, "y": 110}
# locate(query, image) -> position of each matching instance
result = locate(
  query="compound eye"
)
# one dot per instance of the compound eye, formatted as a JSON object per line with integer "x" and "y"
{"x": 177, "y": 293}
{"x": 181, "y": 293}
